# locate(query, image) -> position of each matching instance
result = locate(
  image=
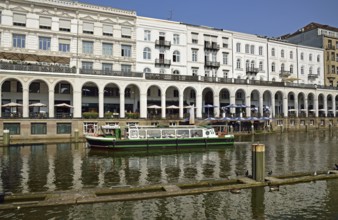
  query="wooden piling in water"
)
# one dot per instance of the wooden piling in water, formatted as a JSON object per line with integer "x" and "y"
{"x": 258, "y": 162}
{"x": 6, "y": 138}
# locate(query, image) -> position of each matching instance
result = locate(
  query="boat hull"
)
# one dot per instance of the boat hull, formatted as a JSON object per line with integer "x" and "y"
{"x": 112, "y": 143}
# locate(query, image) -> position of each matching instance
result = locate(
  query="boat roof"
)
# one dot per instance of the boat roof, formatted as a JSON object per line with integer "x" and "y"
{"x": 110, "y": 126}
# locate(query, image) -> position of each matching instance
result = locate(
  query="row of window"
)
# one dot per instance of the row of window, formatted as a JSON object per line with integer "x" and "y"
{"x": 38, "y": 128}
{"x": 147, "y": 37}
{"x": 334, "y": 56}
{"x": 65, "y": 25}
{"x": 19, "y": 41}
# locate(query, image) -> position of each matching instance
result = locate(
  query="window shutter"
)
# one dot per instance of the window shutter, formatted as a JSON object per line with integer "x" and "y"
{"x": 126, "y": 31}
{"x": 107, "y": 29}
{"x": 88, "y": 26}
{"x": 65, "y": 24}
{"x": 19, "y": 18}
{"x": 45, "y": 21}
{"x": 64, "y": 41}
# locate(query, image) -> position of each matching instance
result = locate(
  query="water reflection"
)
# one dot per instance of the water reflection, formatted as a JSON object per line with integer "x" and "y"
{"x": 66, "y": 166}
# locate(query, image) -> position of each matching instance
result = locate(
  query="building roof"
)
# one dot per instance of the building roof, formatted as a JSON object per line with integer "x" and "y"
{"x": 309, "y": 27}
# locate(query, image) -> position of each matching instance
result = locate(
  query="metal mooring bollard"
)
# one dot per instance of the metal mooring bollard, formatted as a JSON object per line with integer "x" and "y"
{"x": 258, "y": 162}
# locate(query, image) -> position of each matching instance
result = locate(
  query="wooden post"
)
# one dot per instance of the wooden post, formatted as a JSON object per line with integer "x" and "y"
{"x": 258, "y": 162}
{"x": 6, "y": 138}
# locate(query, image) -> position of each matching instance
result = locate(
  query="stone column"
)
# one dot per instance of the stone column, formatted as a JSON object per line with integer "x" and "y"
{"x": 101, "y": 103}
{"x": 163, "y": 105}
{"x": 143, "y": 105}
{"x": 217, "y": 104}
{"x": 325, "y": 107}
{"x": 273, "y": 108}
{"x": 25, "y": 102}
{"x": 285, "y": 106}
{"x": 334, "y": 106}
{"x": 232, "y": 101}
{"x": 77, "y": 103}
{"x": 180, "y": 100}
{"x": 261, "y": 101}
{"x": 199, "y": 104}
{"x": 296, "y": 107}
{"x": 248, "y": 104}
{"x": 122, "y": 103}
{"x": 306, "y": 107}
{"x": 315, "y": 103}
{"x": 51, "y": 97}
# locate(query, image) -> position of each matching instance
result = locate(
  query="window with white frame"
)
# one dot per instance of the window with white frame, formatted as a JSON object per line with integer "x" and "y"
{"x": 310, "y": 71}
{"x": 176, "y": 39}
{"x": 64, "y": 45}
{"x": 252, "y": 49}
{"x": 88, "y": 28}
{"x": 19, "y": 40}
{"x": 247, "y": 64}
{"x": 282, "y": 53}
{"x": 44, "y": 43}
{"x": 247, "y": 48}
{"x": 194, "y": 53}
{"x": 225, "y": 58}
{"x": 238, "y": 47}
{"x": 273, "y": 52}
{"x": 125, "y": 50}
{"x": 87, "y": 47}
{"x": 238, "y": 63}
{"x": 107, "y": 30}
{"x": 107, "y": 67}
{"x": 45, "y": 23}
{"x": 282, "y": 67}
{"x": 194, "y": 71}
{"x": 87, "y": 65}
{"x": 318, "y": 58}
{"x": 225, "y": 42}
{"x": 291, "y": 54}
{"x": 147, "y": 35}
{"x": 273, "y": 67}
{"x": 125, "y": 68}
{"x": 194, "y": 38}
{"x": 146, "y": 70}
{"x": 260, "y": 65}
{"x": 302, "y": 70}
{"x": 146, "y": 53}
{"x": 225, "y": 73}
{"x": 126, "y": 32}
{"x": 252, "y": 64}
{"x": 64, "y": 25}
{"x": 19, "y": 20}
{"x": 213, "y": 56}
{"x": 302, "y": 56}
{"x": 107, "y": 49}
{"x": 291, "y": 68}
{"x": 310, "y": 57}
{"x": 176, "y": 56}
{"x": 260, "y": 50}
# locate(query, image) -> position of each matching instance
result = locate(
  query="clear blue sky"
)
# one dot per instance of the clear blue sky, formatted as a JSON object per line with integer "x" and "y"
{"x": 263, "y": 17}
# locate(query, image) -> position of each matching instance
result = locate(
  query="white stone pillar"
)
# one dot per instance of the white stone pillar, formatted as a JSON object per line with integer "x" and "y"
{"x": 248, "y": 104}
{"x": 143, "y": 105}
{"x": 285, "y": 106}
{"x": 261, "y": 104}
{"x": 101, "y": 103}
{"x": 315, "y": 104}
{"x": 199, "y": 104}
{"x": 77, "y": 103}
{"x": 163, "y": 105}
{"x": 51, "y": 103}
{"x": 122, "y": 103}
{"x": 273, "y": 108}
{"x": 217, "y": 104}
{"x": 25, "y": 102}
{"x": 334, "y": 106}
{"x": 325, "y": 107}
{"x": 296, "y": 106}
{"x": 232, "y": 101}
{"x": 306, "y": 107}
{"x": 180, "y": 100}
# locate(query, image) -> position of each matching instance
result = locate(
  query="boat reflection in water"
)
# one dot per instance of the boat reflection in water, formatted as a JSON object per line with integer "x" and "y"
{"x": 69, "y": 167}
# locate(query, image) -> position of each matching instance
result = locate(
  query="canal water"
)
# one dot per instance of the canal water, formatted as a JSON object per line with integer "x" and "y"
{"x": 54, "y": 167}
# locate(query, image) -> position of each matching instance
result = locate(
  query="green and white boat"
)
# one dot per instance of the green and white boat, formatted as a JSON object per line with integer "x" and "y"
{"x": 155, "y": 137}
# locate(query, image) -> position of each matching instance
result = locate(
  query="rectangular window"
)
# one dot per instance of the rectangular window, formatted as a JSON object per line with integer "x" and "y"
{"x": 64, "y": 25}
{"x": 87, "y": 47}
{"x": 38, "y": 128}
{"x": 87, "y": 65}
{"x": 44, "y": 43}
{"x": 107, "y": 30}
{"x": 107, "y": 67}
{"x": 64, "y": 45}
{"x": 194, "y": 71}
{"x": 125, "y": 68}
{"x": 238, "y": 47}
{"x": 14, "y": 128}
{"x": 225, "y": 42}
{"x": 19, "y": 41}
{"x": 125, "y": 50}
{"x": 194, "y": 55}
{"x": 176, "y": 39}
{"x": 147, "y": 35}
{"x": 260, "y": 50}
{"x": 19, "y": 20}
{"x": 194, "y": 38}
{"x": 252, "y": 49}
{"x": 63, "y": 128}
{"x": 88, "y": 28}
{"x": 225, "y": 58}
{"x": 225, "y": 73}
{"x": 126, "y": 32}
{"x": 107, "y": 49}
{"x": 45, "y": 23}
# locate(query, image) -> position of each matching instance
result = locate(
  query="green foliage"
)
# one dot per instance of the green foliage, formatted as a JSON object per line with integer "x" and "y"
{"x": 90, "y": 115}
{"x": 132, "y": 115}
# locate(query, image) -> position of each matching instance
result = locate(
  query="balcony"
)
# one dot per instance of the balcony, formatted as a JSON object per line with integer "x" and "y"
{"x": 36, "y": 68}
{"x": 110, "y": 73}
{"x": 284, "y": 73}
{"x": 163, "y": 43}
{"x": 212, "y": 64}
{"x": 211, "y": 46}
{"x": 312, "y": 76}
{"x": 162, "y": 63}
{"x": 330, "y": 47}
{"x": 252, "y": 70}
{"x": 171, "y": 77}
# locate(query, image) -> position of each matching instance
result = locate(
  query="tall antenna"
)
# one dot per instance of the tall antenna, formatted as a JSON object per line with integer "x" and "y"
{"x": 170, "y": 15}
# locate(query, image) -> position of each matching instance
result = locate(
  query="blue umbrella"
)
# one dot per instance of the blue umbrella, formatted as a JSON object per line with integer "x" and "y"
{"x": 231, "y": 106}
{"x": 209, "y": 106}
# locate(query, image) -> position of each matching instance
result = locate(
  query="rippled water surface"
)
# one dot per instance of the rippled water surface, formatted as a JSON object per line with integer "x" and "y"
{"x": 67, "y": 167}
